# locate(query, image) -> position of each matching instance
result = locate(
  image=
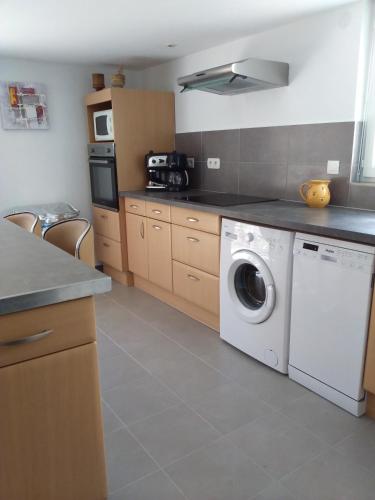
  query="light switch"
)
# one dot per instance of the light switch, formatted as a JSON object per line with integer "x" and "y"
{"x": 333, "y": 167}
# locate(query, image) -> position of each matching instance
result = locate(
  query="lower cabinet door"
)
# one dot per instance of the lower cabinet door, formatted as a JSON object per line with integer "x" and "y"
{"x": 136, "y": 235}
{"x": 51, "y": 441}
{"x": 159, "y": 253}
{"x": 198, "y": 287}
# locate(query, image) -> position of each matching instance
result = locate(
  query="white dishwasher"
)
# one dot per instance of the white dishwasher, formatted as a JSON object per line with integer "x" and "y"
{"x": 331, "y": 297}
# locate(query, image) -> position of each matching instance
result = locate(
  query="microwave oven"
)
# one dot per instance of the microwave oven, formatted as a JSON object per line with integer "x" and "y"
{"x": 103, "y": 125}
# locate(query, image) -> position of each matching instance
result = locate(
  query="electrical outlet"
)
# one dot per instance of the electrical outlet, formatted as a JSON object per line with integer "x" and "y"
{"x": 190, "y": 161}
{"x": 333, "y": 167}
{"x": 213, "y": 163}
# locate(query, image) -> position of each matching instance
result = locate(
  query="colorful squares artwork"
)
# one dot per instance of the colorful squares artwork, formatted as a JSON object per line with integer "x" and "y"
{"x": 23, "y": 106}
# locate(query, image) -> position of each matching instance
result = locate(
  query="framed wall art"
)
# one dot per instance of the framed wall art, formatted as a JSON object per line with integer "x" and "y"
{"x": 23, "y": 106}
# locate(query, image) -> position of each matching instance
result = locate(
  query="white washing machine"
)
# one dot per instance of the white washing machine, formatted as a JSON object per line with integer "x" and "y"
{"x": 255, "y": 291}
{"x": 332, "y": 290}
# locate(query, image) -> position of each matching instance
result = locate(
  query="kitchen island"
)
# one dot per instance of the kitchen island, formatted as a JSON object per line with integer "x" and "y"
{"x": 51, "y": 436}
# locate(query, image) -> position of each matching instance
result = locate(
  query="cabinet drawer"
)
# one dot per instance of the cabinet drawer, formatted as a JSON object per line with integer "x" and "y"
{"x": 196, "y": 286}
{"x": 159, "y": 253}
{"x": 44, "y": 330}
{"x": 108, "y": 251}
{"x": 158, "y": 211}
{"x": 134, "y": 206}
{"x": 203, "y": 221}
{"x": 106, "y": 223}
{"x": 196, "y": 248}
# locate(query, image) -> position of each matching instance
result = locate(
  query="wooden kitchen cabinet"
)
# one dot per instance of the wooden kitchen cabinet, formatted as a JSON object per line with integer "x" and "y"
{"x": 159, "y": 253}
{"x": 196, "y": 248}
{"x": 136, "y": 233}
{"x": 51, "y": 442}
{"x": 108, "y": 251}
{"x": 196, "y": 286}
{"x": 107, "y": 223}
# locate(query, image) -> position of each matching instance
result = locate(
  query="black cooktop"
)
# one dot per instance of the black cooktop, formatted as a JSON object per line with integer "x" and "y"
{"x": 223, "y": 199}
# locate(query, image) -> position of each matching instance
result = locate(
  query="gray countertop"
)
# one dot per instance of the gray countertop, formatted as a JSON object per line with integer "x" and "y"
{"x": 335, "y": 222}
{"x": 35, "y": 273}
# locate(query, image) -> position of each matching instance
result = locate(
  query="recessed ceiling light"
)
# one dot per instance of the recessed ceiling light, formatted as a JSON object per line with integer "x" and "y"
{"x": 172, "y": 45}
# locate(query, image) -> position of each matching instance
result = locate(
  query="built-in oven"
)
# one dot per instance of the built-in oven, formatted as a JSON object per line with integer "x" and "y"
{"x": 103, "y": 175}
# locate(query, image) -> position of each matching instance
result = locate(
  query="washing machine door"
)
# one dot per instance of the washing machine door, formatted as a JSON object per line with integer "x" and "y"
{"x": 251, "y": 286}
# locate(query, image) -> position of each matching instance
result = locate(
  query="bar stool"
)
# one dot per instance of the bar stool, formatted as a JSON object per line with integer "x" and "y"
{"x": 75, "y": 236}
{"x": 26, "y": 220}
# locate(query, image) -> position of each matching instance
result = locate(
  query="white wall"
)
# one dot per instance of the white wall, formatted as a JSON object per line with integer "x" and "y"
{"x": 322, "y": 51}
{"x": 41, "y": 166}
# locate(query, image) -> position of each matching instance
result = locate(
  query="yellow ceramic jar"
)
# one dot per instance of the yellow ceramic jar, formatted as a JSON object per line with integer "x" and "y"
{"x": 316, "y": 192}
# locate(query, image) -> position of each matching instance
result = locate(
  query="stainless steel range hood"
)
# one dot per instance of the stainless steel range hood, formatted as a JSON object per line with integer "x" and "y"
{"x": 247, "y": 75}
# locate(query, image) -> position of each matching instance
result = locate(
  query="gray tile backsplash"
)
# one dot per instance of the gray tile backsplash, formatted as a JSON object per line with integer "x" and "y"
{"x": 274, "y": 161}
{"x": 264, "y": 145}
{"x": 263, "y": 179}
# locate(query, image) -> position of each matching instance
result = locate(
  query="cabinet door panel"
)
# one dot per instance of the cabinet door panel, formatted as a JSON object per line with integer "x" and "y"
{"x": 51, "y": 428}
{"x": 198, "y": 287}
{"x": 108, "y": 251}
{"x": 106, "y": 223}
{"x": 159, "y": 253}
{"x": 196, "y": 248}
{"x": 136, "y": 234}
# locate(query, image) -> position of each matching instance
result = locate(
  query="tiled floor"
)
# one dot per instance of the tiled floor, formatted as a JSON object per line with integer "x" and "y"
{"x": 188, "y": 417}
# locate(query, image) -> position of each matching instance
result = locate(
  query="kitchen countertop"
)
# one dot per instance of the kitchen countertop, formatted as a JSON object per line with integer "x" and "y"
{"x": 35, "y": 273}
{"x": 348, "y": 224}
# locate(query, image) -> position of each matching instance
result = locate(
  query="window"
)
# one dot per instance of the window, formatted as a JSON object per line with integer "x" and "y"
{"x": 366, "y": 132}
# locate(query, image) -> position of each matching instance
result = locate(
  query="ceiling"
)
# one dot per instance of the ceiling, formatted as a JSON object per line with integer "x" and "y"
{"x": 136, "y": 32}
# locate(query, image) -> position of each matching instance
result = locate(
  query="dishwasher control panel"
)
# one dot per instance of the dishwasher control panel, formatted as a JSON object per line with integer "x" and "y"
{"x": 353, "y": 259}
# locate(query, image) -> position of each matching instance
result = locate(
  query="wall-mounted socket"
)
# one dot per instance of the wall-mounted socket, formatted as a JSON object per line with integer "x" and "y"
{"x": 213, "y": 163}
{"x": 190, "y": 161}
{"x": 333, "y": 167}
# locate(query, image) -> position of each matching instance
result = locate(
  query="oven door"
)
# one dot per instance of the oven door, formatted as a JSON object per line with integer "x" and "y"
{"x": 103, "y": 179}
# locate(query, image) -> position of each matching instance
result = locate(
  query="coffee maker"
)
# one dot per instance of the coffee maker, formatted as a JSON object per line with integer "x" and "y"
{"x": 166, "y": 171}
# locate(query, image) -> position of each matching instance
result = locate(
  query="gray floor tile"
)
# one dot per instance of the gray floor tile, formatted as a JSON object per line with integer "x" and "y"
{"x": 229, "y": 406}
{"x": 323, "y": 418}
{"x": 331, "y": 476}
{"x": 276, "y": 491}
{"x": 194, "y": 336}
{"x": 102, "y": 302}
{"x": 139, "y": 398}
{"x": 189, "y": 378}
{"x": 118, "y": 370}
{"x": 156, "y": 486}
{"x": 360, "y": 447}
{"x": 140, "y": 303}
{"x": 110, "y": 421}
{"x": 106, "y": 348}
{"x": 126, "y": 460}
{"x": 125, "y": 328}
{"x": 219, "y": 472}
{"x": 159, "y": 351}
{"x": 277, "y": 444}
{"x": 173, "y": 434}
{"x": 273, "y": 387}
{"x": 230, "y": 361}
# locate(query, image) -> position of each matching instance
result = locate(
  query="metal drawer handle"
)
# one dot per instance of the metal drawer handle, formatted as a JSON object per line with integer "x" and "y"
{"x": 158, "y": 228}
{"x": 193, "y": 278}
{"x": 156, "y": 211}
{"x": 193, "y": 240}
{"x": 142, "y": 230}
{"x": 133, "y": 206}
{"x": 26, "y": 340}
{"x": 106, "y": 245}
{"x": 192, "y": 219}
